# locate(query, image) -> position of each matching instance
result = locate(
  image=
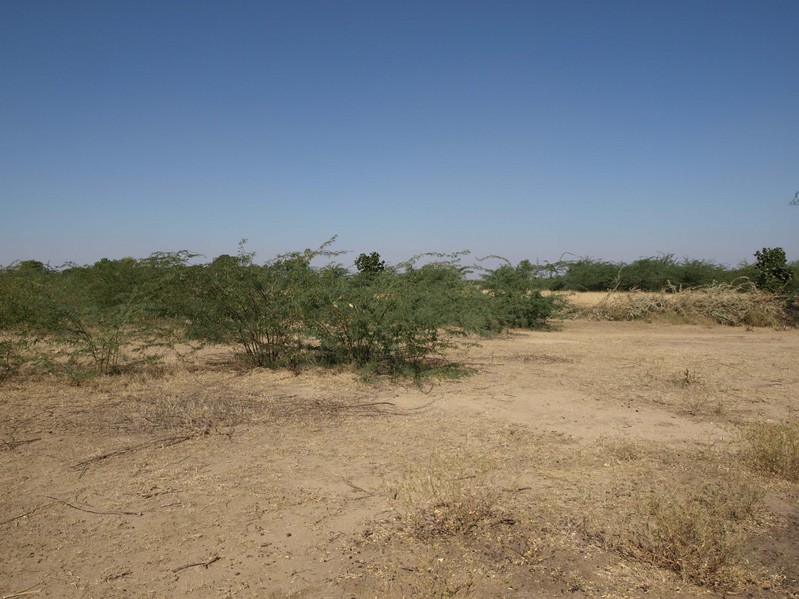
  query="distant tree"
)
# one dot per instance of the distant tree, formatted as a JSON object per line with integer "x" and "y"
{"x": 370, "y": 263}
{"x": 32, "y": 266}
{"x": 773, "y": 271}
{"x": 795, "y": 200}
{"x": 225, "y": 261}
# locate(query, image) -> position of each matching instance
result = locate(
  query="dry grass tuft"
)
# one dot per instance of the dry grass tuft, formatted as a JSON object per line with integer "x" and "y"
{"x": 773, "y": 448}
{"x": 196, "y": 412}
{"x": 722, "y": 303}
{"x": 695, "y": 529}
{"x": 445, "y": 499}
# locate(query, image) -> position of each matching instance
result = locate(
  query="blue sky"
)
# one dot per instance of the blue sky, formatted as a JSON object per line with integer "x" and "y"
{"x": 614, "y": 129}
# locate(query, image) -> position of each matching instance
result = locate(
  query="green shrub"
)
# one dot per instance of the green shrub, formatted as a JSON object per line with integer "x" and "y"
{"x": 257, "y": 308}
{"x": 587, "y": 274}
{"x": 645, "y": 274}
{"x": 11, "y": 357}
{"x": 369, "y": 263}
{"x": 388, "y": 319}
{"x": 773, "y": 271}
{"x": 514, "y": 300}
{"x": 99, "y": 315}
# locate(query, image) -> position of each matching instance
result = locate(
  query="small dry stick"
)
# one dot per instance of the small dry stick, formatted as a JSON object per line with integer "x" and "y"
{"x": 15, "y": 444}
{"x": 517, "y": 490}
{"x": 27, "y": 591}
{"x": 102, "y": 513}
{"x": 359, "y": 489}
{"x": 204, "y": 564}
{"x": 165, "y": 441}
{"x": 28, "y": 513}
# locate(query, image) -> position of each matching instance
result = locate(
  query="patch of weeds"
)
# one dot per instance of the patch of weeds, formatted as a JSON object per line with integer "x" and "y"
{"x": 11, "y": 357}
{"x": 773, "y": 448}
{"x": 197, "y": 412}
{"x": 418, "y": 372}
{"x": 696, "y": 394}
{"x": 690, "y": 378}
{"x": 487, "y": 559}
{"x": 694, "y": 530}
{"x": 429, "y": 576}
{"x": 572, "y": 580}
{"x": 620, "y": 450}
{"x": 445, "y": 500}
{"x": 698, "y": 403}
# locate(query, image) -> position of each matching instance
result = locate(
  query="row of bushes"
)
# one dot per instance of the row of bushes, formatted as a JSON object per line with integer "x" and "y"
{"x": 769, "y": 271}
{"x": 285, "y": 312}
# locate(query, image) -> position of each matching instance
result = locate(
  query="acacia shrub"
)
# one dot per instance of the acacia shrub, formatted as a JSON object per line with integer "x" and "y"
{"x": 588, "y": 274}
{"x": 654, "y": 273}
{"x": 391, "y": 319}
{"x": 98, "y": 315}
{"x": 513, "y": 298}
{"x": 255, "y": 307}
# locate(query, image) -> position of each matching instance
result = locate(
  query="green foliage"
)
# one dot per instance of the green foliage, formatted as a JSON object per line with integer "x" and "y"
{"x": 258, "y": 308}
{"x": 773, "y": 271}
{"x": 102, "y": 317}
{"x": 514, "y": 299}
{"x": 11, "y": 356}
{"x": 391, "y": 320}
{"x": 654, "y": 273}
{"x": 587, "y": 274}
{"x": 370, "y": 263}
{"x": 105, "y": 317}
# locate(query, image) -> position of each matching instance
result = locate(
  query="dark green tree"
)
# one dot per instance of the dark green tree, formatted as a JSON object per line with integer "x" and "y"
{"x": 773, "y": 271}
{"x": 370, "y": 263}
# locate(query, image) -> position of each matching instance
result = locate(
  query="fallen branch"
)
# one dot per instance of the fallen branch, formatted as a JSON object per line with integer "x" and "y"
{"x": 15, "y": 444}
{"x": 28, "y": 513}
{"x": 204, "y": 564}
{"x": 165, "y": 442}
{"x": 102, "y": 513}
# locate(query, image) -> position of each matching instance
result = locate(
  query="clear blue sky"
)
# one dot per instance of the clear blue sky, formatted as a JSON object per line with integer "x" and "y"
{"x": 613, "y": 129}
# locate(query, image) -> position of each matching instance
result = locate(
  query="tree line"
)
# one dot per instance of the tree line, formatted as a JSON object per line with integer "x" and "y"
{"x": 290, "y": 312}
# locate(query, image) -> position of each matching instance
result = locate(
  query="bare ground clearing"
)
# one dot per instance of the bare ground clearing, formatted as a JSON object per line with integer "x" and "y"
{"x": 517, "y": 481}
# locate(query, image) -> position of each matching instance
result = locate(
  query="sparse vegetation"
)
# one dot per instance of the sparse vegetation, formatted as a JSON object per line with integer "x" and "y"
{"x": 586, "y": 461}
{"x": 445, "y": 499}
{"x": 773, "y": 448}
{"x": 695, "y": 529}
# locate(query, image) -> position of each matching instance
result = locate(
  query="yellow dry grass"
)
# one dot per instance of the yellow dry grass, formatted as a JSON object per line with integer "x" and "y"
{"x": 716, "y": 304}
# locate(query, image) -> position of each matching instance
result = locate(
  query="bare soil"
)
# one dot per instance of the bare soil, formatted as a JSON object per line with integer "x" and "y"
{"x": 214, "y": 481}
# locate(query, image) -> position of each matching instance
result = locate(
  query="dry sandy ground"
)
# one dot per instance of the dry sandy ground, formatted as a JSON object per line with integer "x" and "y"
{"x": 209, "y": 481}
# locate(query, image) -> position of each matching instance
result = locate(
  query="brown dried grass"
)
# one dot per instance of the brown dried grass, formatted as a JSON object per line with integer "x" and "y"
{"x": 722, "y": 303}
{"x": 773, "y": 448}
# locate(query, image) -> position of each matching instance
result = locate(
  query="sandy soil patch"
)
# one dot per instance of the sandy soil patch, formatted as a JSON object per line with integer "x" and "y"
{"x": 520, "y": 480}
